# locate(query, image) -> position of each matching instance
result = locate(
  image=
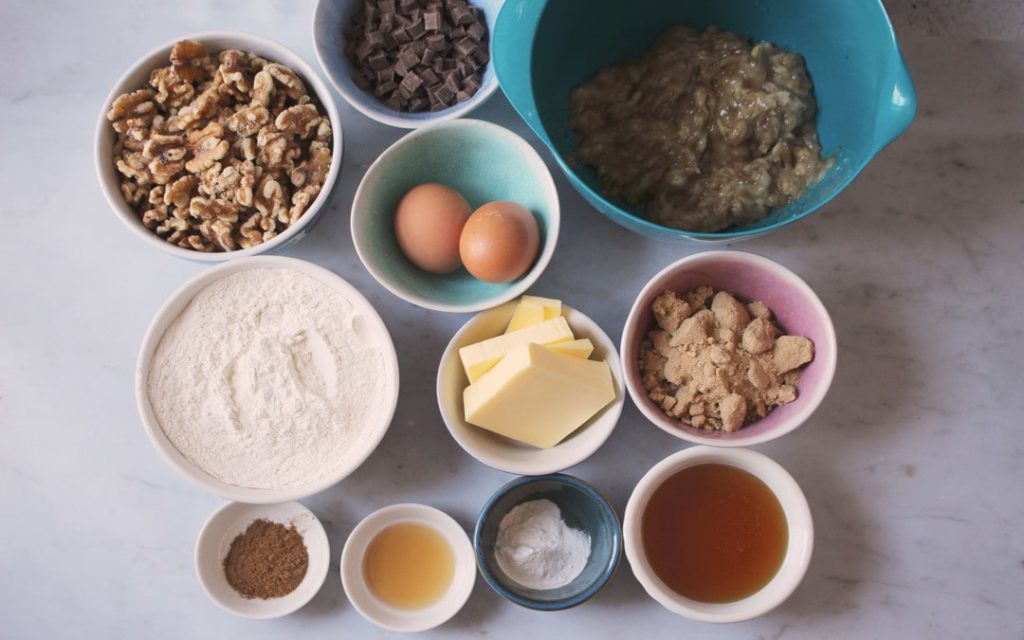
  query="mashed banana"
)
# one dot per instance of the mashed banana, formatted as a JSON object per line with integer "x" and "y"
{"x": 705, "y": 132}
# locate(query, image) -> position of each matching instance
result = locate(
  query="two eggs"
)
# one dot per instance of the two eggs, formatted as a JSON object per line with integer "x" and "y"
{"x": 496, "y": 243}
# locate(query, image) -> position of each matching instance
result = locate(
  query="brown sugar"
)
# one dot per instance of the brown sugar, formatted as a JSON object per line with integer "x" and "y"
{"x": 267, "y": 560}
{"x": 718, "y": 364}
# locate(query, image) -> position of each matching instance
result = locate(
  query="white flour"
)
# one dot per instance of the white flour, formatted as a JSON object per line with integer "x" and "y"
{"x": 263, "y": 381}
{"x": 537, "y": 549}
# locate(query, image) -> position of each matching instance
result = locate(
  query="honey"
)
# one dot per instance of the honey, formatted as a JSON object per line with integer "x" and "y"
{"x": 408, "y": 565}
{"x": 714, "y": 533}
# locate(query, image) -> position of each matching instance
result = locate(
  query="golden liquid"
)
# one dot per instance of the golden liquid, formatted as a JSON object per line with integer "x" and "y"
{"x": 714, "y": 533}
{"x": 408, "y": 566}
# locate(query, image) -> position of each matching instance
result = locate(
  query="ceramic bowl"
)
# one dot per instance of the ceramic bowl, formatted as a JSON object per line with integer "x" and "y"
{"x": 137, "y": 76}
{"x": 798, "y": 520}
{"x": 504, "y": 453}
{"x": 795, "y": 308}
{"x": 865, "y": 96}
{"x": 367, "y": 323}
{"x": 329, "y": 22}
{"x": 482, "y": 161}
{"x": 229, "y": 522}
{"x": 383, "y": 615}
{"x": 582, "y": 508}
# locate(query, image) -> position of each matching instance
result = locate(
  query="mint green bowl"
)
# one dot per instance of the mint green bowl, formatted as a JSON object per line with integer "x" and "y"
{"x": 482, "y": 161}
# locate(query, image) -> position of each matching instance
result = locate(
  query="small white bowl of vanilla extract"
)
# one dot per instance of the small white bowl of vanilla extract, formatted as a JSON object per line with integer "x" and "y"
{"x": 408, "y": 567}
{"x": 718, "y": 535}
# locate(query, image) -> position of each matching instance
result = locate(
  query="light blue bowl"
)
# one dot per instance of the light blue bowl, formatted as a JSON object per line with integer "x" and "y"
{"x": 329, "y": 21}
{"x": 482, "y": 161}
{"x": 582, "y": 508}
{"x": 543, "y": 50}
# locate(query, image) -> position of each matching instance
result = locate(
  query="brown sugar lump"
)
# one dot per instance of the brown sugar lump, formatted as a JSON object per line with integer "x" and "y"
{"x": 715, "y": 363}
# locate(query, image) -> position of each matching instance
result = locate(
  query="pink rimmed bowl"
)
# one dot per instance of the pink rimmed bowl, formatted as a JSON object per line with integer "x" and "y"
{"x": 795, "y": 308}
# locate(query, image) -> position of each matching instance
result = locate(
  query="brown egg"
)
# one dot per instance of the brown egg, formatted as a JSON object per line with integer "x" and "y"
{"x": 428, "y": 224}
{"x": 499, "y": 242}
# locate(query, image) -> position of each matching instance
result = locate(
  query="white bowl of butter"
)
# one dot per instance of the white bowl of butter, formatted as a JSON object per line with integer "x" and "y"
{"x": 509, "y": 454}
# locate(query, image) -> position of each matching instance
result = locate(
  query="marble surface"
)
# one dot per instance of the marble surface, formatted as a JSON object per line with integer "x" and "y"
{"x": 912, "y": 466}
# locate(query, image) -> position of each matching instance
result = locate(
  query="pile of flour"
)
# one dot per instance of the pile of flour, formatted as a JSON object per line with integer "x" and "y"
{"x": 263, "y": 380}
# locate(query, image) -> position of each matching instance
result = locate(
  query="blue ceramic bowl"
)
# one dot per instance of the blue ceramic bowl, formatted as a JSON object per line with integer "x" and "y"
{"x": 582, "y": 508}
{"x": 482, "y": 161}
{"x": 329, "y": 21}
{"x": 865, "y": 95}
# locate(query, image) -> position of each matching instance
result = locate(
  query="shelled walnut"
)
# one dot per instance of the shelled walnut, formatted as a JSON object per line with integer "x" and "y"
{"x": 220, "y": 153}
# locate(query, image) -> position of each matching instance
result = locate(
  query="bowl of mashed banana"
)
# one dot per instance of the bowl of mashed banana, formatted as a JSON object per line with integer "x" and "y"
{"x": 708, "y": 121}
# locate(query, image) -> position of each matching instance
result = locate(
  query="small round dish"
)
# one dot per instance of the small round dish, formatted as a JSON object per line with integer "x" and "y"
{"x": 507, "y": 454}
{"x": 390, "y": 618}
{"x": 795, "y": 308}
{"x": 329, "y": 21}
{"x": 370, "y": 326}
{"x": 798, "y": 520}
{"x": 583, "y": 508}
{"x": 231, "y": 520}
{"x": 482, "y": 161}
{"x": 137, "y": 76}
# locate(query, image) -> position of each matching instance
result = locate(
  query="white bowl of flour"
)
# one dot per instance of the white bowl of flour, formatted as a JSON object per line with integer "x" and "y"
{"x": 266, "y": 379}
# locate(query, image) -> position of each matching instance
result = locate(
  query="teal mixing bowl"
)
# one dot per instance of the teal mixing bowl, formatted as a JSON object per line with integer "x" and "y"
{"x": 543, "y": 50}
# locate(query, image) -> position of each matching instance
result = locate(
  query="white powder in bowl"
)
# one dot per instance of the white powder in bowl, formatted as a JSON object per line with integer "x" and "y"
{"x": 264, "y": 380}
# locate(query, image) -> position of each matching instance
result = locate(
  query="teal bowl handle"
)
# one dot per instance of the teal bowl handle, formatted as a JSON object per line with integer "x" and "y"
{"x": 897, "y": 109}
{"x": 511, "y": 44}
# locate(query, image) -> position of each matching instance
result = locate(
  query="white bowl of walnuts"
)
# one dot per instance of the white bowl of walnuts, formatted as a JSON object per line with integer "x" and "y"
{"x": 218, "y": 145}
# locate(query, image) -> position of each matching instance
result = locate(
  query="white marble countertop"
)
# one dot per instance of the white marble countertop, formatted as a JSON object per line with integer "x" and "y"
{"x": 912, "y": 466}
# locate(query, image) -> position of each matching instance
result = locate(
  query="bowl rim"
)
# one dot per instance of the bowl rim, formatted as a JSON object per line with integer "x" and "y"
{"x": 317, "y": 574}
{"x": 783, "y": 486}
{"x": 612, "y": 411}
{"x": 631, "y": 331}
{"x": 569, "y": 601}
{"x": 103, "y": 152}
{"x": 362, "y": 101}
{"x": 367, "y": 529}
{"x": 514, "y": 289}
{"x": 172, "y": 307}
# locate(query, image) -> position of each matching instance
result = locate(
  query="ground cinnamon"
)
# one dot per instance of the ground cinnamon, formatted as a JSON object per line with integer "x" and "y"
{"x": 267, "y": 560}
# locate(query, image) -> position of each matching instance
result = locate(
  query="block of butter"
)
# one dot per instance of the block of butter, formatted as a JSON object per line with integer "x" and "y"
{"x": 581, "y": 348}
{"x": 533, "y": 310}
{"x": 477, "y": 359}
{"x": 537, "y": 396}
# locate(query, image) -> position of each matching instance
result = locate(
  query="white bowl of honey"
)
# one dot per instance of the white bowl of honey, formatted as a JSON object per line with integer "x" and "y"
{"x": 718, "y": 535}
{"x": 408, "y": 567}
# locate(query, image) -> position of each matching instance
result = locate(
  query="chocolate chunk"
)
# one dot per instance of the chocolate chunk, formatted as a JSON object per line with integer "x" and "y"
{"x": 452, "y": 83}
{"x": 400, "y": 35}
{"x": 428, "y": 77}
{"x": 408, "y": 56}
{"x": 362, "y": 82}
{"x": 437, "y": 65}
{"x": 363, "y": 50}
{"x": 436, "y": 42}
{"x": 386, "y": 6}
{"x": 395, "y": 102}
{"x": 467, "y": 47}
{"x": 418, "y": 104}
{"x": 457, "y": 33}
{"x": 384, "y": 88}
{"x": 477, "y": 31}
{"x": 410, "y": 84}
{"x": 386, "y": 75}
{"x": 378, "y": 61}
{"x": 471, "y": 84}
{"x": 418, "y": 47}
{"x": 417, "y": 30}
{"x": 481, "y": 56}
{"x": 444, "y": 94}
{"x": 387, "y": 22}
{"x": 462, "y": 96}
{"x": 432, "y": 21}
{"x": 409, "y": 5}
{"x": 400, "y": 68}
{"x": 428, "y": 57}
{"x": 461, "y": 15}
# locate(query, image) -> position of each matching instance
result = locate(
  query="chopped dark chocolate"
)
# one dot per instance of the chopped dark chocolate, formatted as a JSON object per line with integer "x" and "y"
{"x": 416, "y": 55}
